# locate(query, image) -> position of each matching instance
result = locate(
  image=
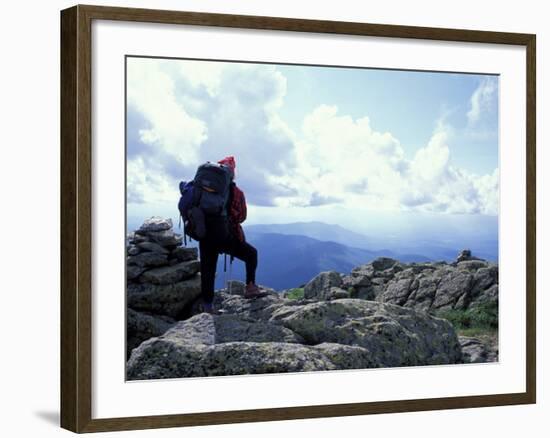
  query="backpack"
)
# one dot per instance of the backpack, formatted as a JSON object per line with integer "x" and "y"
{"x": 207, "y": 196}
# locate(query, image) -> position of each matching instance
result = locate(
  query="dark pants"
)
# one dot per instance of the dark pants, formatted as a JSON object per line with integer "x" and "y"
{"x": 209, "y": 250}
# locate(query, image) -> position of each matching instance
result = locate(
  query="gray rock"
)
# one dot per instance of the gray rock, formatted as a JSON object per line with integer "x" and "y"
{"x": 152, "y": 247}
{"x": 319, "y": 287}
{"x": 336, "y": 293}
{"x": 472, "y": 265}
{"x": 347, "y": 357}
{"x": 355, "y": 280}
{"x": 451, "y": 287}
{"x": 363, "y": 271}
{"x": 171, "y": 274}
{"x": 133, "y": 272}
{"x": 380, "y": 281}
{"x": 465, "y": 254}
{"x": 485, "y": 277}
{"x": 477, "y": 351}
{"x": 169, "y": 299}
{"x": 235, "y": 287}
{"x": 184, "y": 254}
{"x": 142, "y": 326}
{"x": 166, "y": 238}
{"x": 133, "y": 250}
{"x": 383, "y": 263}
{"x": 163, "y": 357}
{"x": 216, "y": 329}
{"x": 256, "y": 309}
{"x": 154, "y": 223}
{"x": 394, "y": 336}
{"x": 489, "y": 295}
{"x": 425, "y": 293}
{"x": 134, "y": 238}
{"x": 398, "y": 291}
{"x": 148, "y": 259}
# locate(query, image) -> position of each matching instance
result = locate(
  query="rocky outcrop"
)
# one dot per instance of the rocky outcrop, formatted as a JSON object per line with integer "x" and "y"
{"x": 141, "y": 326}
{"x": 326, "y": 335}
{"x": 479, "y": 350}
{"x": 393, "y": 336}
{"x": 381, "y": 314}
{"x": 460, "y": 285}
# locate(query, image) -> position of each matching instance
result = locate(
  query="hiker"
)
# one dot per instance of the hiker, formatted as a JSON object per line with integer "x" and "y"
{"x": 222, "y": 232}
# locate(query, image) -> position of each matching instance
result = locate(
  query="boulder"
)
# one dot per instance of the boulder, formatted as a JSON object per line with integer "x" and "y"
{"x": 319, "y": 287}
{"x": 398, "y": 291}
{"x": 452, "y": 286}
{"x": 465, "y": 254}
{"x": 133, "y": 238}
{"x": 133, "y": 250}
{"x": 184, "y": 254}
{"x": 142, "y": 326}
{"x": 256, "y": 309}
{"x": 133, "y": 272}
{"x": 160, "y": 358}
{"x": 335, "y": 293}
{"x": 216, "y": 329}
{"x": 486, "y": 296}
{"x": 152, "y": 247}
{"x": 485, "y": 277}
{"x": 166, "y": 238}
{"x": 477, "y": 351}
{"x": 472, "y": 265}
{"x": 394, "y": 336}
{"x": 355, "y": 280}
{"x": 209, "y": 345}
{"x": 154, "y": 223}
{"x": 363, "y": 271}
{"x": 171, "y": 274}
{"x": 347, "y": 357}
{"x": 147, "y": 259}
{"x": 383, "y": 263}
{"x": 167, "y": 299}
{"x": 425, "y": 292}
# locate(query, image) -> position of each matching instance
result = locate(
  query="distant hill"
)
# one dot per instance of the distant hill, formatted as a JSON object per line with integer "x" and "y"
{"x": 291, "y": 254}
{"x": 406, "y": 247}
{"x": 287, "y": 260}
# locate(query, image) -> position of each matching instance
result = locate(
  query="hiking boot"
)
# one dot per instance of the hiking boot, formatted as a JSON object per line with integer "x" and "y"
{"x": 253, "y": 291}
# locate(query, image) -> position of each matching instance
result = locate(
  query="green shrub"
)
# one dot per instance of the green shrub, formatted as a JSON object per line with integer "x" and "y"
{"x": 295, "y": 294}
{"x": 484, "y": 317}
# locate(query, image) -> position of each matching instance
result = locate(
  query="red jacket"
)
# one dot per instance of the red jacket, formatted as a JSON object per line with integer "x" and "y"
{"x": 237, "y": 212}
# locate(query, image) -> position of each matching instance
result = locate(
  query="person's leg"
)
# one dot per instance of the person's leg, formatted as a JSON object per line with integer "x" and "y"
{"x": 208, "y": 260}
{"x": 249, "y": 255}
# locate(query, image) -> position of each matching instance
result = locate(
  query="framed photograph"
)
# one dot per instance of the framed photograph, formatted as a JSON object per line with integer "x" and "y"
{"x": 270, "y": 218}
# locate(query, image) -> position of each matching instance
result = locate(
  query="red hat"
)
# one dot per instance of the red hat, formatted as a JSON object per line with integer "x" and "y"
{"x": 229, "y": 162}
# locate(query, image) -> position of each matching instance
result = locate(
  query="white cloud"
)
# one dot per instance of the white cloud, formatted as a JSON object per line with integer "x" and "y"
{"x": 151, "y": 93}
{"x": 202, "y": 111}
{"x": 146, "y": 184}
{"x": 341, "y": 160}
{"x": 483, "y": 99}
{"x": 198, "y": 111}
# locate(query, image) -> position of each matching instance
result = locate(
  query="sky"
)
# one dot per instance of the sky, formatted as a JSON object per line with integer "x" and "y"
{"x": 353, "y": 146}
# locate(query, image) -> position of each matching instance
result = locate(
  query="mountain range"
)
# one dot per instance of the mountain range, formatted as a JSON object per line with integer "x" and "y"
{"x": 291, "y": 254}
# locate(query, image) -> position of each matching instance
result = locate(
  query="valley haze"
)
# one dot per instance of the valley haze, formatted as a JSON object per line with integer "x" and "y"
{"x": 291, "y": 254}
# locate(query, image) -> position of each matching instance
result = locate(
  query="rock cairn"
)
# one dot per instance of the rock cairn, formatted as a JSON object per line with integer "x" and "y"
{"x": 162, "y": 279}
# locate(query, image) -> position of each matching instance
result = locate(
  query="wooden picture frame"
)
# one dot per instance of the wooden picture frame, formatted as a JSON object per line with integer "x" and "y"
{"x": 76, "y": 217}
